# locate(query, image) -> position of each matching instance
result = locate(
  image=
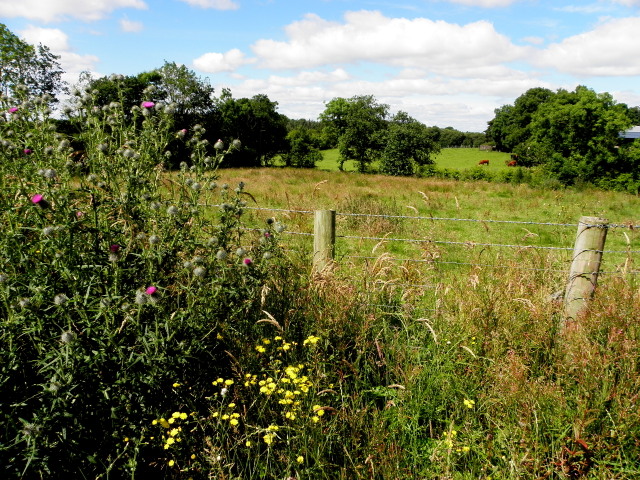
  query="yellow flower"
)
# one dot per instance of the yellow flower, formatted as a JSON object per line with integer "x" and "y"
{"x": 176, "y": 385}
{"x": 228, "y": 382}
{"x": 315, "y": 419}
{"x": 171, "y": 463}
{"x": 268, "y": 438}
{"x": 126, "y": 439}
{"x": 261, "y": 349}
{"x": 231, "y": 405}
{"x": 300, "y": 459}
{"x": 193, "y": 456}
{"x": 164, "y": 423}
{"x": 215, "y": 414}
{"x": 248, "y": 443}
{"x": 225, "y": 417}
{"x": 233, "y": 422}
{"x": 173, "y": 432}
{"x": 175, "y": 415}
{"x": 154, "y": 422}
{"x": 469, "y": 403}
{"x": 219, "y": 337}
{"x": 170, "y": 441}
{"x": 171, "y": 420}
{"x": 183, "y": 416}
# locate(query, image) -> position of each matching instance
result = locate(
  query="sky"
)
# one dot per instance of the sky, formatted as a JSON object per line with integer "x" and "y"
{"x": 444, "y": 62}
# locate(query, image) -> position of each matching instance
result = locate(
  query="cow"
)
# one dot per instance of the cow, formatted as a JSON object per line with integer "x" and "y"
{"x": 483, "y": 162}
{"x": 512, "y": 163}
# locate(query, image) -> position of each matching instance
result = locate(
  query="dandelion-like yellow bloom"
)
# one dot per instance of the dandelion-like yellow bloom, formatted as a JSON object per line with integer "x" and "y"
{"x": 215, "y": 414}
{"x": 300, "y": 459}
{"x": 228, "y": 382}
{"x": 171, "y": 463}
{"x": 176, "y": 385}
{"x": 469, "y": 403}
{"x": 233, "y": 422}
{"x": 173, "y": 432}
{"x": 248, "y": 443}
{"x": 183, "y": 416}
{"x": 225, "y": 417}
{"x": 175, "y": 415}
{"x": 315, "y": 419}
{"x": 231, "y": 405}
{"x": 268, "y": 438}
{"x": 170, "y": 441}
{"x": 164, "y": 423}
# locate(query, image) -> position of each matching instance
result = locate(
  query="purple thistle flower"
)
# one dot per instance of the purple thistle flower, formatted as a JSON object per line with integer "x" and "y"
{"x": 27, "y": 151}
{"x": 247, "y": 261}
{"x": 148, "y": 104}
{"x": 39, "y": 200}
{"x": 115, "y": 248}
{"x": 13, "y": 109}
{"x": 151, "y": 290}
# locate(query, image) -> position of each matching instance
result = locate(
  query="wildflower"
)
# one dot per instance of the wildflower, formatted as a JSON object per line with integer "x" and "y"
{"x": 268, "y": 438}
{"x": 219, "y": 145}
{"x": 228, "y": 382}
{"x": 60, "y": 299}
{"x": 224, "y": 392}
{"x": 49, "y": 173}
{"x": 147, "y": 104}
{"x": 469, "y": 403}
{"x": 236, "y": 143}
{"x": 300, "y": 459}
{"x": 171, "y": 463}
{"x": 13, "y": 109}
{"x": 247, "y": 261}
{"x": 172, "y": 210}
{"x": 39, "y": 200}
{"x": 248, "y": 443}
{"x": 176, "y": 385}
{"x": 199, "y": 272}
{"x": 27, "y": 151}
{"x": 221, "y": 255}
{"x": 267, "y": 255}
{"x": 68, "y": 338}
{"x": 196, "y": 186}
{"x": 233, "y": 422}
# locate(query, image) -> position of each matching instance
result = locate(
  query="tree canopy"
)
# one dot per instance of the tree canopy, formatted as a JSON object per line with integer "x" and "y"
{"x": 27, "y": 66}
{"x": 572, "y": 135}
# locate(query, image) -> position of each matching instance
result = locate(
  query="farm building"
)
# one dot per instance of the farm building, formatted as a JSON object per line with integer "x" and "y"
{"x": 632, "y": 133}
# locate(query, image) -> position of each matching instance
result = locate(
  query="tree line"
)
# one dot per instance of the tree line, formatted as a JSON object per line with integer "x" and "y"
{"x": 569, "y": 136}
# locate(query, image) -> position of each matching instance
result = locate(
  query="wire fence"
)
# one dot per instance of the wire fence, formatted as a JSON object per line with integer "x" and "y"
{"x": 433, "y": 254}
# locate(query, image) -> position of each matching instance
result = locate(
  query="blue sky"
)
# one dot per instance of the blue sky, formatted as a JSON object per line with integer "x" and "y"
{"x": 445, "y": 62}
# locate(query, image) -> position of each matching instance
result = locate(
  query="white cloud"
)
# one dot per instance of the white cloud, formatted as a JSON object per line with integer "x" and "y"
{"x": 485, "y": 3}
{"x": 370, "y": 36}
{"x": 55, "y": 10}
{"x": 213, "y": 4}
{"x": 534, "y": 40}
{"x": 58, "y": 42}
{"x": 130, "y": 26}
{"x": 607, "y": 50}
{"x": 213, "y": 62}
{"x": 628, "y": 3}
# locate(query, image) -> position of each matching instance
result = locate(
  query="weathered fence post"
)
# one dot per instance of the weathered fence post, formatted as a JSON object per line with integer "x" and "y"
{"x": 324, "y": 238}
{"x": 583, "y": 276}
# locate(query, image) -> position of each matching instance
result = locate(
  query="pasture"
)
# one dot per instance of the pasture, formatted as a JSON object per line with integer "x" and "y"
{"x": 161, "y": 324}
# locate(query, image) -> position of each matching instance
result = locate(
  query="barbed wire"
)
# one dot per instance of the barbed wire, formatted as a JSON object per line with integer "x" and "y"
{"x": 452, "y": 219}
{"x": 519, "y": 222}
{"x": 439, "y": 262}
{"x": 467, "y": 243}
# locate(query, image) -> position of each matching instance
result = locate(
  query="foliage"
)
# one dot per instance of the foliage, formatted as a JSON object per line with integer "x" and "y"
{"x": 301, "y": 152}
{"x": 115, "y": 286}
{"x": 574, "y": 136}
{"x": 258, "y": 123}
{"x": 358, "y": 124}
{"x": 407, "y": 144}
{"x": 32, "y": 67}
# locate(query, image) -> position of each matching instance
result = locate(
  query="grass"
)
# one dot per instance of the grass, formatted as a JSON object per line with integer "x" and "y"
{"x": 450, "y": 158}
{"x": 148, "y": 335}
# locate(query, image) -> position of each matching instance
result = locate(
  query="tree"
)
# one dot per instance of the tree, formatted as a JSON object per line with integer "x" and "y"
{"x": 408, "y": 144}
{"x": 357, "y": 123}
{"x": 302, "y": 153}
{"x": 33, "y": 67}
{"x": 256, "y": 122}
{"x": 510, "y": 126}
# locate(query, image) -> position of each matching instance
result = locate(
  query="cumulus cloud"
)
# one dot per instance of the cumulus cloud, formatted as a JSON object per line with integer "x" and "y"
{"x": 628, "y": 3}
{"x": 485, "y": 3}
{"x": 58, "y": 42}
{"x": 370, "y": 36}
{"x": 130, "y": 26}
{"x": 51, "y": 11}
{"x": 213, "y": 4}
{"x": 213, "y": 62}
{"x": 607, "y": 50}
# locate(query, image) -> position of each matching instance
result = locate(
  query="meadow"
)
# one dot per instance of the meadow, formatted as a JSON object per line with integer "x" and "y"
{"x": 159, "y": 324}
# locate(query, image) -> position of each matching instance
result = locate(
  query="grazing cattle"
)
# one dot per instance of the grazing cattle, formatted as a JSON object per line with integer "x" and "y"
{"x": 512, "y": 163}
{"x": 483, "y": 162}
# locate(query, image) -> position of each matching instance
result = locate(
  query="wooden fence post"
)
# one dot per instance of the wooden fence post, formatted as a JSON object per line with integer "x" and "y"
{"x": 585, "y": 266}
{"x": 324, "y": 238}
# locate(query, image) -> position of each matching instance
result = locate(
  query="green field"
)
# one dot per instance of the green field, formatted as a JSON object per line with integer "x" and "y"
{"x": 451, "y": 158}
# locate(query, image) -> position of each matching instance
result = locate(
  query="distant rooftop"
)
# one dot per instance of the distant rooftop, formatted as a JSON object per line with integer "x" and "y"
{"x": 631, "y": 133}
